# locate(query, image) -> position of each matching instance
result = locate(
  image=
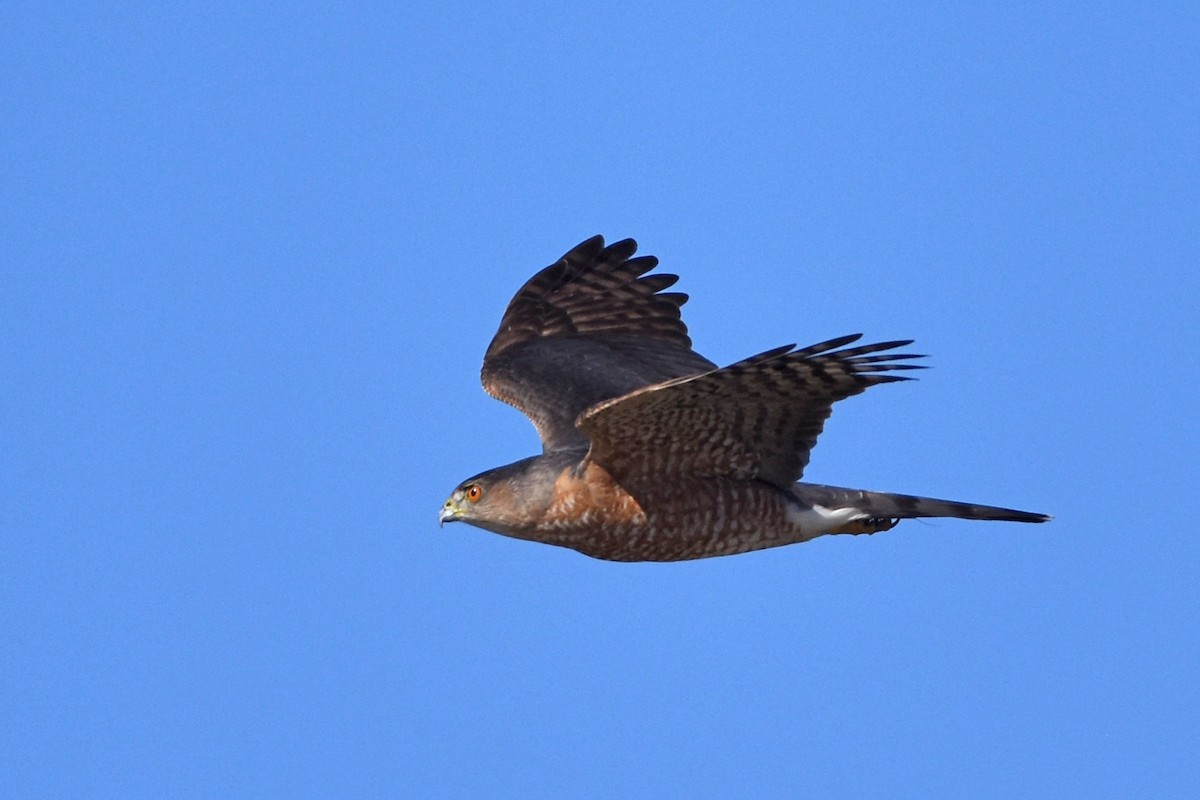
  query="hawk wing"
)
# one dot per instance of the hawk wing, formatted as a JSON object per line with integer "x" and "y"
{"x": 590, "y": 327}
{"x": 758, "y": 418}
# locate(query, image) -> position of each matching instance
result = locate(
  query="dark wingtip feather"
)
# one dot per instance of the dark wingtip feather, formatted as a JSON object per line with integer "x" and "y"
{"x": 767, "y": 355}
{"x": 885, "y": 367}
{"x": 888, "y": 357}
{"x": 622, "y": 250}
{"x": 593, "y": 245}
{"x": 830, "y": 344}
{"x": 874, "y": 347}
{"x": 659, "y": 281}
{"x": 675, "y": 298}
{"x": 585, "y": 252}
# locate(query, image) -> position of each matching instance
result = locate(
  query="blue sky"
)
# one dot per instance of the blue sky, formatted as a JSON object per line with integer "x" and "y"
{"x": 252, "y": 255}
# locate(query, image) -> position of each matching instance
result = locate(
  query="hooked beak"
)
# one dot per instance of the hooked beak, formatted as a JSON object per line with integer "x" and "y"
{"x": 449, "y": 513}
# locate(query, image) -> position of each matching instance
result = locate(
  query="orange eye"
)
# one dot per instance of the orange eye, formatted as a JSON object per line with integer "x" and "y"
{"x": 474, "y": 492}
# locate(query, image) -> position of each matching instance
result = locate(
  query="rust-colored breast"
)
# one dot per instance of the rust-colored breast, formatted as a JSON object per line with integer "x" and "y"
{"x": 672, "y": 518}
{"x": 592, "y": 496}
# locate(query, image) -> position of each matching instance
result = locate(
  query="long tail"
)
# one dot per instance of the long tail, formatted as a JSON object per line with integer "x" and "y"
{"x": 882, "y": 510}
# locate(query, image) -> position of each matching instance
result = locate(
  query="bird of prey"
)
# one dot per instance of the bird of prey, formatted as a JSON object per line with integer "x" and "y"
{"x": 650, "y": 452}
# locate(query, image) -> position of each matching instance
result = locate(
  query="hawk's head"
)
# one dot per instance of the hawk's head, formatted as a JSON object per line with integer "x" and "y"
{"x": 510, "y": 499}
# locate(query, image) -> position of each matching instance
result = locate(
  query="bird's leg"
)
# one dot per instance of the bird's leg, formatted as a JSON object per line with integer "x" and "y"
{"x": 868, "y": 525}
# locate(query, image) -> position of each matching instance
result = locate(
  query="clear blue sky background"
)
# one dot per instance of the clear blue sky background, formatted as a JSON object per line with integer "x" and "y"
{"x": 252, "y": 254}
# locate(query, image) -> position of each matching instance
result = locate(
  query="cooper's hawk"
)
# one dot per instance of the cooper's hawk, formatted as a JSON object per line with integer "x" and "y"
{"x": 649, "y": 451}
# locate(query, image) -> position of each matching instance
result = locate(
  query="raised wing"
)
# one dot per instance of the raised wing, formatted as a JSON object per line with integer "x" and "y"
{"x": 758, "y": 418}
{"x": 590, "y": 327}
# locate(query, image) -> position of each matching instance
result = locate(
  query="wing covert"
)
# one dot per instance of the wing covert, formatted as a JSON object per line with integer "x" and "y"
{"x": 758, "y": 418}
{"x": 590, "y": 327}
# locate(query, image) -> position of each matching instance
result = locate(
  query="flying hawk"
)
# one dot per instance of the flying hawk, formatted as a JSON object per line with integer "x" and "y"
{"x": 650, "y": 452}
